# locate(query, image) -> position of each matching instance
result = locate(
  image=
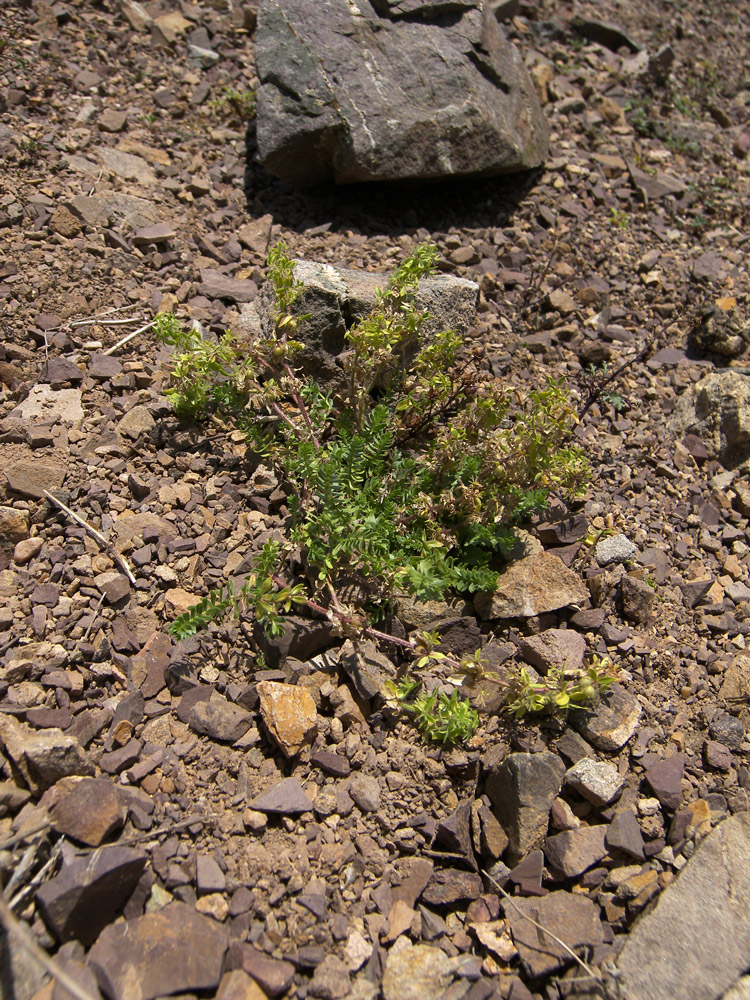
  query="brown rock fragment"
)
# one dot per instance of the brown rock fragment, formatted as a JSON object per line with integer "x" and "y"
{"x": 289, "y": 714}
{"x": 572, "y": 918}
{"x": 89, "y": 891}
{"x": 14, "y": 525}
{"x": 237, "y": 985}
{"x": 64, "y": 222}
{"x": 175, "y": 950}
{"x": 273, "y": 975}
{"x": 90, "y": 812}
{"x": 533, "y": 585}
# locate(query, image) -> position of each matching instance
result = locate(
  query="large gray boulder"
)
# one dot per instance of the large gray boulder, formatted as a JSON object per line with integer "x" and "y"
{"x": 378, "y": 90}
{"x": 337, "y": 297}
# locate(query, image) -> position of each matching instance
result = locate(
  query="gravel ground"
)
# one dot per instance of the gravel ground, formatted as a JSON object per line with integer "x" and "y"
{"x": 367, "y": 863}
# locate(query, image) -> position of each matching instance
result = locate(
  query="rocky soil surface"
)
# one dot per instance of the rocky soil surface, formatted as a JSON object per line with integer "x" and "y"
{"x": 194, "y": 818}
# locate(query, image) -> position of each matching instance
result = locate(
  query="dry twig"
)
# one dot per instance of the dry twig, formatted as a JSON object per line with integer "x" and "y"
{"x": 509, "y": 899}
{"x": 120, "y": 560}
{"x": 128, "y": 338}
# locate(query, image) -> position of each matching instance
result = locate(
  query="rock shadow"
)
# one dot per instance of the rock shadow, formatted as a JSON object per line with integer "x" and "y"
{"x": 388, "y": 209}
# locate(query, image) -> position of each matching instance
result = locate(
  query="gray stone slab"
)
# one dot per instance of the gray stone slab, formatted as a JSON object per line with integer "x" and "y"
{"x": 695, "y": 943}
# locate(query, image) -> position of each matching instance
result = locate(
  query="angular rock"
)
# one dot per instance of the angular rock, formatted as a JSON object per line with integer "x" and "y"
{"x": 332, "y": 763}
{"x": 454, "y": 832}
{"x": 717, "y": 410}
{"x": 219, "y": 719}
{"x": 653, "y": 187}
{"x": 138, "y": 420}
{"x": 126, "y": 166}
{"x": 610, "y": 724}
{"x": 286, "y": 797}
{"x": 717, "y": 755}
{"x": 727, "y": 729}
{"x": 79, "y": 902}
{"x": 367, "y": 667}
{"x": 522, "y": 789}
{"x": 90, "y": 812}
{"x": 47, "y": 405}
{"x": 237, "y": 985}
{"x": 217, "y": 285}
{"x": 59, "y": 369}
{"x": 162, "y": 232}
{"x": 665, "y": 779}
{"x": 14, "y": 526}
{"x": 400, "y": 919}
{"x": 694, "y": 943}
{"x": 573, "y": 852}
{"x": 31, "y": 478}
{"x": 115, "y": 586}
{"x": 573, "y": 919}
{"x": 273, "y": 975}
{"x": 289, "y": 714}
{"x": 495, "y": 935}
{"x": 174, "y": 950}
{"x": 64, "y": 222}
{"x": 415, "y": 971}
{"x": 449, "y": 885}
{"x": 596, "y": 780}
{"x": 147, "y": 667}
{"x": 42, "y": 758}
{"x": 102, "y": 366}
{"x": 637, "y": 599}
{"x": 490, "y": 840}
{"x": 614, "y": 549}
{"x": 365, "y": 791}
{"x": 328, "y": 87}
{"x": 209, "y": 876}
{"x": 624, "y": 834}
{"x": 416, "y": 874}
{"x": 532, "y": 586}
{"x": 694, "y": 591}
{"x": 330, "y": 980}
{"x": 557, "y": 648}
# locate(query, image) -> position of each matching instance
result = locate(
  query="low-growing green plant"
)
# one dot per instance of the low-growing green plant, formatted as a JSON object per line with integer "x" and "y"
{"x": 620, "y": 218}
{"x": 409, "y": 479}
{"x": 444, "y": 718}
{"x": 30, "y": 152}
{"x": 557, "y": 691}
{"x": 236, "y": 104}
{"x": 411, "y": 482}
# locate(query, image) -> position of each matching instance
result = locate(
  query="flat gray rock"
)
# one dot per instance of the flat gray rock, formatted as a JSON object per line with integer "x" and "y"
{"x": 220, "y": 719}
{"x": 391, "y": 90}
{"x": 609, "y": 724}
{"x": 695, "y": 942}
{"x": 46, "y": 405}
